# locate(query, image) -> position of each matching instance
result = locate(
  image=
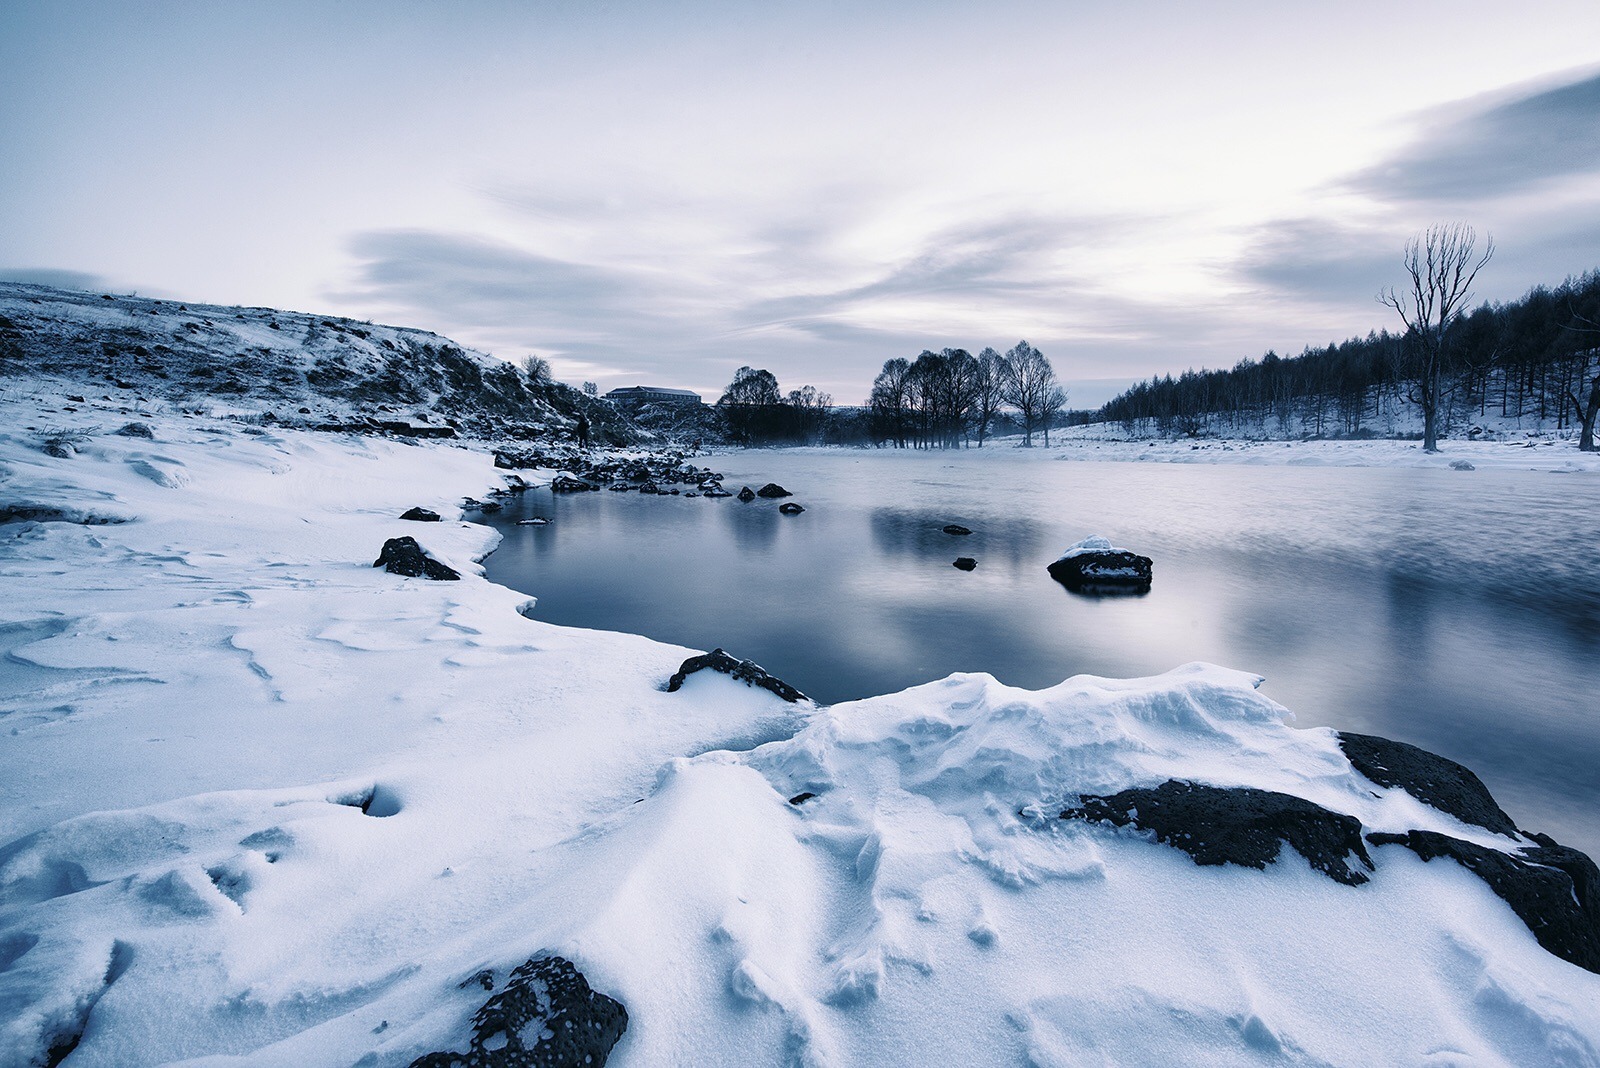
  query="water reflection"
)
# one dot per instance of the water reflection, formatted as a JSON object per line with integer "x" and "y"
{"x": 1373, "y": 600}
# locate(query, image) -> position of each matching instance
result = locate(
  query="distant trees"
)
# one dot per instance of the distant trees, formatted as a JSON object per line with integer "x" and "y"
{"x": 1536, "y": 357}
{"x": 758, "y": 413}
{"x": 944, "y": 399}
{"x": 591, "y": 390}
{"x": 1440, "y": 263}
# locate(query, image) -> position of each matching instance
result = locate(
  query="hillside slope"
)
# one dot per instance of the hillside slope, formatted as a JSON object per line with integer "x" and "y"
{"x": 300, "y": 368}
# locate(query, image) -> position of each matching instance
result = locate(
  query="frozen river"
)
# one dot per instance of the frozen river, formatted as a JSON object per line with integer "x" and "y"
{"x": 1459, "y": 611}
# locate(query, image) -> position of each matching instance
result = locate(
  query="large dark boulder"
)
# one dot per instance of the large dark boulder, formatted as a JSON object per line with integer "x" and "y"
{"x": 403, "y": 556}
{"x": 1235, "y": 825}
{"x": 790, "y": 508}
{"x": 1552, "y": 888}
{"x": 1094, "y": 565}
{"x": 746, "y": 671}
{"x": 747, "y": 494}
{"x": 568, "y": 484}
{"x": 773, "y": 490}
{"x": 1430, "y": 778}
{"x": 965, "y": 563}
{"x": 420, "y": 515}
{"x": 546, "y": 1017}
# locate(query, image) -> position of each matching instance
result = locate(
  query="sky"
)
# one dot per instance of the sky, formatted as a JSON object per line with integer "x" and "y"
{"x": 662, "y": 192}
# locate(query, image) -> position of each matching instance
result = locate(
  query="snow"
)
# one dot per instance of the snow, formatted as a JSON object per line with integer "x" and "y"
{"x": 1525, "y": 453}
{"x": 1094, "y": 543}
{"x": 202, "y": 691}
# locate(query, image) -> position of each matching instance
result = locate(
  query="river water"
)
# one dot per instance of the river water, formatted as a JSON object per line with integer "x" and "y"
{"x": 1458, "y": 611}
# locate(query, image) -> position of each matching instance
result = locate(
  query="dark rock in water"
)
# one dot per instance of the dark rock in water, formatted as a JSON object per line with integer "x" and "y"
{"x": 490, "y": 507}
{"x": 403, "y": 556}
{"x": 745, "y": 671}
{"x": 1428, "y": 777}
{"x": 420, "y": 515}
{"x": 619, "y": 487}
{"x": 649, "y": 487}
{"x": 568, "y": 484}
{"x": 547, "y": 1017}
{"x": 1552, "y": 888}
{"x": 717, "y": 492}
{"x": 790, "y": 508}
{"x": 965, "y": 563}
{"x": 957, "y": 529}
{"x": 1095, "y": 566}
{"x": 1235, "y": 825}
{"x": 773, "y": 490}
{"x": 691, "y": 493}
{"x": 137, "y": 430}
{"x": 747, "y": 494}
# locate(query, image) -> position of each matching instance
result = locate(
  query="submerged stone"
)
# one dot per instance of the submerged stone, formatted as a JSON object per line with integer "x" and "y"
{"x": 1094, "y": 565}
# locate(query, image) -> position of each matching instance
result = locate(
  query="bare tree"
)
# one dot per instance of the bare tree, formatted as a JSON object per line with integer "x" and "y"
{"x": 1587, "y": 408}
{"x": 1030, "y": 386}
{"x": 1050, "y": 405}
{"x": 1441, "y": 263}
{"x": 989, "y": 391}
{"x": 591, "y": 390}
{"x": 537, "y": 369}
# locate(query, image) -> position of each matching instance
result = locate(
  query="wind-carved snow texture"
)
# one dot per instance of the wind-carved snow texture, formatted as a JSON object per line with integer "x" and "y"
{"x": 263, "y": 804}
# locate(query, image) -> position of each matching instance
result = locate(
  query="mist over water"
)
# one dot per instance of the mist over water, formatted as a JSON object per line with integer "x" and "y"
{"x": 1458, "y": 611}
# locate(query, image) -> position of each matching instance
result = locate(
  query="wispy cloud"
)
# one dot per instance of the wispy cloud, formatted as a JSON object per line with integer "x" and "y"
{"x": 50, "y": 276}
{"x": 1475, "y": 151}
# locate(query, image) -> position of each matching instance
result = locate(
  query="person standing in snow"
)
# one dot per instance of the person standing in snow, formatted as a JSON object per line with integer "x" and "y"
{"x": 583, "y": 430}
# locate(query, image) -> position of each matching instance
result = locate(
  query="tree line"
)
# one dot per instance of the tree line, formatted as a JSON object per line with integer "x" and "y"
{"x": 1535, "y": 357}
{"x": 945, "y": 399}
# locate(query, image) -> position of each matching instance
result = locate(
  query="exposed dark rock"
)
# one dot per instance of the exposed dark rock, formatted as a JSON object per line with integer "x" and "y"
{"x": 717, "y": 492}
{"x": 75, "y": 398}
{"x": 420, "y": 515}
{"x": 490, "y": 507}
{"x": 1235, "y": 825}
{"x": 790, "y": 508}
{"x": 747, "y": 494}
{"x": 1430, "y": 778}
{"x": 136, "y": 430}
{"x": 1552, "y": 888}
{"x": 547, "y": 1017}
{"x": 965, "y": 563}
{"x": 746, "y": 671}
{"x": 1094, "y": 565}
{"x": 649, "y": 488}
{"x": 956, "y": 529}
{"x": 568, "y": 484}
{"x": 403, "y": 556}
{"x": 802, "y": 797}
{"x": 773, "y": 490}
{"x": 619, "y": 487}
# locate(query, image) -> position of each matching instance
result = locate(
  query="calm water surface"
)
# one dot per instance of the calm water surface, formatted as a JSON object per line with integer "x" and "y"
{"x": 1459, "y": 611}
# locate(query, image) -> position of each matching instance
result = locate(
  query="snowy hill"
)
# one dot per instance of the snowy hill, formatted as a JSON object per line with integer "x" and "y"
{"x": 301, "y": 368}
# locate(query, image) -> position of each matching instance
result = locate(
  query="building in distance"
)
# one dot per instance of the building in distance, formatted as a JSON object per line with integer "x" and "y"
{"x": 653, "y": 395}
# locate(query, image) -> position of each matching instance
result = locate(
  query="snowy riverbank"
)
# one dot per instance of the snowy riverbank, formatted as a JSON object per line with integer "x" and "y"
{"x": 263, "y": 803}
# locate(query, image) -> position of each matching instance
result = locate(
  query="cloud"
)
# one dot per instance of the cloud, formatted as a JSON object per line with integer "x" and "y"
{"x": 1517, "y": 145}
{"x": 50, "y": 276}
{"x": 1321, "y": 260}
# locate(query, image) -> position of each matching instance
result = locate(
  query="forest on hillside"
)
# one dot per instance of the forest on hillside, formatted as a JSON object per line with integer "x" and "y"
{"x": 1534, "y": 359}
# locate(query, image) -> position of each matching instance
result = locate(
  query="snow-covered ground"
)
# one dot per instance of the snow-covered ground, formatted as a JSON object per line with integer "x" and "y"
{"x": 1540, "y": 454}
{"x": 261, "y": 803}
